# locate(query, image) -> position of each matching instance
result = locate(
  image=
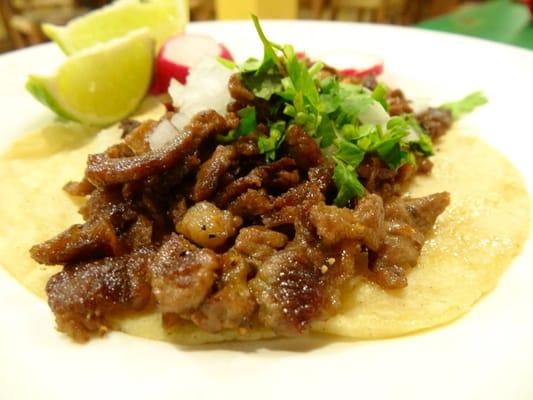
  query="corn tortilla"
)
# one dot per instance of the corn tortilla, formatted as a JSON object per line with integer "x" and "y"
{"x": 472, "y": 244}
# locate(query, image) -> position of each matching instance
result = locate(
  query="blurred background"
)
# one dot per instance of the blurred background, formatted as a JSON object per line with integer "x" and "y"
{"x": 505, "y": 21}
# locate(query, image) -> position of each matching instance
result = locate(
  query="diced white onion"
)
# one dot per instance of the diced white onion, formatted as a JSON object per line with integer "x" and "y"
{"x": 163, "y": 133}
{"x": 206, "y": 89}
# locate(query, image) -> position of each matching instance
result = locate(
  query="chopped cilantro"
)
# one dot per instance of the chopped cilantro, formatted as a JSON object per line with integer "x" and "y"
{"x": 348, "y": 152}
{"x": 348, "y": 120}
{"x": 316, "y": 68}
{"x": 353, "y": 105}
{"x": 348, "y": 185}
{"x": 325, "y": 132}
{"x": 269, "y": 144}
{"x": 301, "y": 78}
{"x": 424, "y": 145}
{"x": 226, "y": 63}
{"x": 466, "y": 105}
{"x": 263, "y": 78}
{"x": 247, "y": 125}
{"x": 392, "y": 153}
{"x": 411, "y": 133}
{"x": 379, "y": 94}
{"x": 270, "y": 57}
{"x": 263, "y": 85}
{"x": 250, "y": 65}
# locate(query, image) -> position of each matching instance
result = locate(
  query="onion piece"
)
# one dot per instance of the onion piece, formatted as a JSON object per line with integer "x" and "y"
{"x": 163, "y": 133}
{"x": 206, "y": 88}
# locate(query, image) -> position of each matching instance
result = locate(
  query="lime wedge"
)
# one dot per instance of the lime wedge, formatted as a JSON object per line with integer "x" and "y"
{"x": 162, "y": 17}
{"x": 102, "y": 84}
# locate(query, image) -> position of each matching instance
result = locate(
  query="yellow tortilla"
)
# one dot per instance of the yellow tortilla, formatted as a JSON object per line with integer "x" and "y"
{"x": 471, "y": 246}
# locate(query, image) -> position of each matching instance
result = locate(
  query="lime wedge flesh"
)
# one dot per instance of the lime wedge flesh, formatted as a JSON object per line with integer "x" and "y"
{"x": 100, "y": 85}
{"x": 162, "y": 17}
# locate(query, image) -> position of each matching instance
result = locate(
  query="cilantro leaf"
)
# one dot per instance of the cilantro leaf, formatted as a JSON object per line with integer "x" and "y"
{"x": 424, "y": 145}
{"x": 368, "y": 137}
{"x": 466, "y": 105}
{"x": 348, "y": 152}
{"x": 328, "y": 84}
{"x": 398, "y": 123}
{"x": 353, "y": 105}
{"x": 265, "y": 85}
{"x": 269, "y": 144}
{"x": 247, "y": 125}
{"x": 263, "y": 78}
{"x": 391, "y": 148}
{"x": 365, "y": 130}
{"x": 329, "y": 102}
{"x": 325, "y": 132}
{"x": 348, "y": 185}
{"x": 411, "y": 133}
{"x": 301, "y": 78}
{"x": 226, "y": 63}
{"x": 329, "y": 96}
{"x": 391, "y": 152}
{"x": 248, "y": 121}
{"x": 250, "y": 65}
{"x": 270, "y": 57}
{"x": 379, "y": 94}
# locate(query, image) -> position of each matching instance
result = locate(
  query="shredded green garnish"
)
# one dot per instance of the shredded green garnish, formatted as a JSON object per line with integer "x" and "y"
{"x": 380, "y": 95}
{"x": 269, "y": 144}
{"x": 348, "y": 186}
{"x": 466, "y": 105}
{"x": 226, "y": 63}
{"x": 247, "y": 125}
{"x": 347, "y": 120}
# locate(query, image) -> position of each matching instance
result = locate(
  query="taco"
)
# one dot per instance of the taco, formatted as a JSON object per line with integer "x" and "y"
{"x": 307, "y": 203}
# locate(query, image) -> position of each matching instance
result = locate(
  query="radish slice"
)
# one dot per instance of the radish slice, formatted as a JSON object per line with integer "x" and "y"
{"x": 179, "y": 54}
{"x": 361, "y": 73}
{"x": 353, "y": 63}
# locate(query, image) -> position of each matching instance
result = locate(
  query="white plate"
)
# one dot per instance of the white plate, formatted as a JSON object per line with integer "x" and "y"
{"x": 485, "y": 355}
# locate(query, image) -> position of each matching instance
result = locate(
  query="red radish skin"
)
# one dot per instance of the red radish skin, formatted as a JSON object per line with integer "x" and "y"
{"x": 372, "y": 65}
{"x": 179, "y": 54}
{"x": 375, "y": 70}
{"x": 356, "y": 64}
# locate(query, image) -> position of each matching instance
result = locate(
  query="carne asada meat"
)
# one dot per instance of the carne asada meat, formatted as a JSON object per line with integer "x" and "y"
{"x": 212, "y": 234}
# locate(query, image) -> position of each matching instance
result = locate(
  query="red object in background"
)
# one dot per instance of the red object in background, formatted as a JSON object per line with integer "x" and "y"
{"x": 529, "y": 3}
{"x": 367, "y": 65}
{"x": 179, "y": 54}
{"x": 361, "y": 73}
